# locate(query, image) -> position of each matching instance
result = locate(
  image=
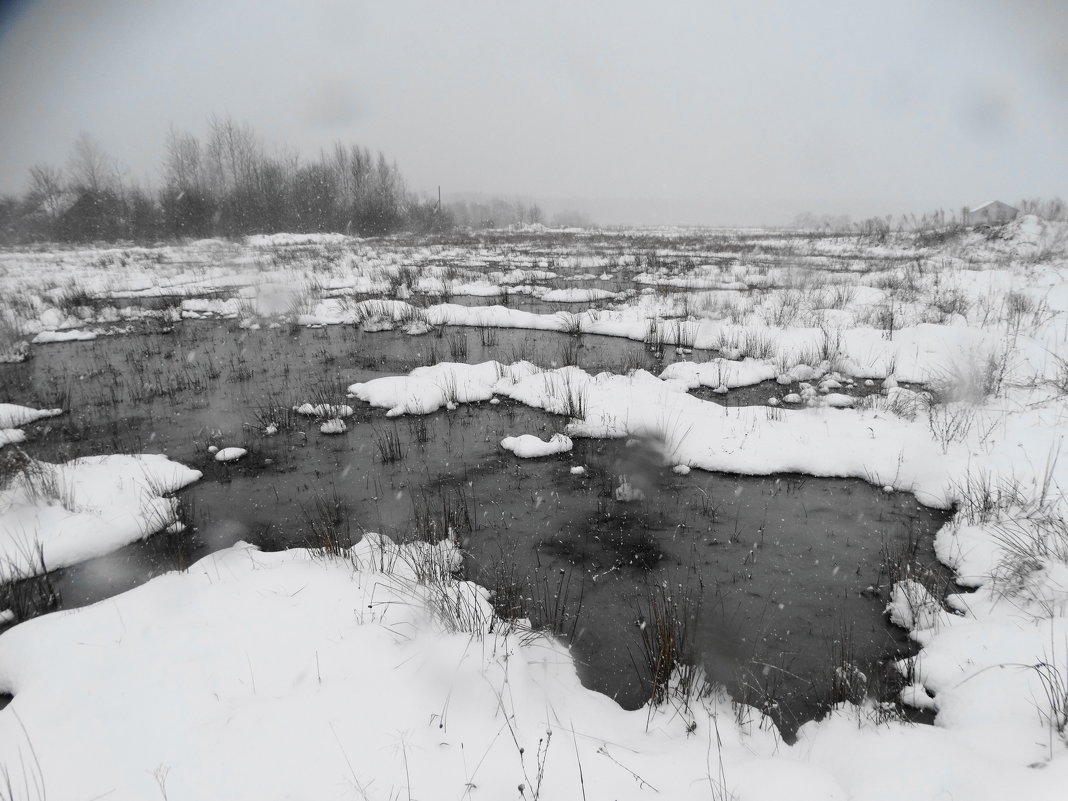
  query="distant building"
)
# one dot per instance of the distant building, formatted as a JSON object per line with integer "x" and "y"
{"x": 992, "y": 213}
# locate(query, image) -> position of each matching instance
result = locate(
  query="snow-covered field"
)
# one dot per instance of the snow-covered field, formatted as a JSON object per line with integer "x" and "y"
{"x": 378, "y": 672}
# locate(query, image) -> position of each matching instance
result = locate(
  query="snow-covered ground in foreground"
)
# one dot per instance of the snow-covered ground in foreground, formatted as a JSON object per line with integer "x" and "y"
{"x": 380, "y": 676}
{"x": 85, "y": 508}
{"x": 282, "y": 675}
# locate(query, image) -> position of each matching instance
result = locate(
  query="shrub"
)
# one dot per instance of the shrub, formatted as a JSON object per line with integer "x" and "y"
{"x": 974, "y": 375}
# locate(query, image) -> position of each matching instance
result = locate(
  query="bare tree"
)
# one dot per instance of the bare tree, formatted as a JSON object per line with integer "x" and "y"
{"x": 47, "y": 189}
{"x": 232, "y": 151}
{"x": 224, "y": 183}
{"x": 91, "y": 168}
{"x": 183, "y": 168}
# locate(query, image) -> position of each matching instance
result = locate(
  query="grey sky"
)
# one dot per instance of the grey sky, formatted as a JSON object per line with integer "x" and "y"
{"x": 709, "y": 112}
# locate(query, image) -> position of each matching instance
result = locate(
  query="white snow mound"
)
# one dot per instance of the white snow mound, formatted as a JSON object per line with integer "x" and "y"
{"x": 528, "y": 446}
{"x": 85, "y": 508}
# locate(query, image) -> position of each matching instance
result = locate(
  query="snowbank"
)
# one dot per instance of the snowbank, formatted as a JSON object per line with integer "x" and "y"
{"x": 86, "y": 507}
{"x": 13, "y": 416}
{"x": 216, "y": 682}
{"x": 10, "y": 436}
{"x": 44, "y": 337}
{"x": 323, "y": 410}
{"x": 576, "y": 295}
{"x": 815, "y": 441}
{"x": 383, "y": 672}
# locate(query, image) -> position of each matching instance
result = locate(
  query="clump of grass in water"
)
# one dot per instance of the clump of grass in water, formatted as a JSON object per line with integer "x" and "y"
{"x": 429, "y": 355}
{"x": 570, "y": 323}
{"x": 274, "y": 413}
{"x": 57, "y": 394}
{"x": 326, "y": 395}
{"x": 707, "y": 504}
{"x": 180, "y": 540}
{"x": 548, "y": 599}
{"x": 388, "y": 445}
{"x": 419, "y": 430}
{"x": 26, "y": 589}
{"x": 458, "y": 346}
{"x": 521, "y": 351}
{"x": 436, "y": 517}
{"x": 487, "y": 335}
{"x": 762, "y": 685}
{"x": 567, "y": 354}
{"x": 329, "y": 531}
{"x": 553, "y": 605}
{"x": 848, "y": 682}
{"x": 634, "y": 358}
{"x": 684, "y": 334}
{"x": 654, "y": 339}
{"x": 666, "y": 629}
{"x": 508, "y": 590}
{"x": 240, "y": 370}
{"x": 901, "y": 562}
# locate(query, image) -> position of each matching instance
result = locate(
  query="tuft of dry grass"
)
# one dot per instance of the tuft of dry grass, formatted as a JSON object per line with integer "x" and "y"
{"x": 667, "y": 653}
{"x": 26, "y": 589}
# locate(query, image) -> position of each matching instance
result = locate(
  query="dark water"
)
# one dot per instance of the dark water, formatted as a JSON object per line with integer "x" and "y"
{"x": 781, "y": 566}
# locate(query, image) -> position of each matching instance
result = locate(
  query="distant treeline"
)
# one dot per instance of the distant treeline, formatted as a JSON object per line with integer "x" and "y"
{"x": 498, "y": 212}
{"x": 940, "y": 219}
{"x": 225, "y": 185}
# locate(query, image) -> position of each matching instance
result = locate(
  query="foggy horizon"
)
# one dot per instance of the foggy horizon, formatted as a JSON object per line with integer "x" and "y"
{"x": 693, "y": 113}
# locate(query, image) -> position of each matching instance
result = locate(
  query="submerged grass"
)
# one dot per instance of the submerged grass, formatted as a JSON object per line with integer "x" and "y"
{"x": 388, "y": 445}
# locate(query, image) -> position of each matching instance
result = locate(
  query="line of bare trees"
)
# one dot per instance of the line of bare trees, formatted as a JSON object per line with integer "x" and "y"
{"x": 1053, "y": 209}
{"x": 225, "y": 185}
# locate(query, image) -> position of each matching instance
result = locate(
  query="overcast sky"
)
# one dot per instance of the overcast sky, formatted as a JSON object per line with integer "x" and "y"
{"x": 699, "y": 112}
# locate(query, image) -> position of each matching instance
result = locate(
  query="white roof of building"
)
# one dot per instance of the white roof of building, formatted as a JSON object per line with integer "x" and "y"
{"x": 993, "y": 202}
